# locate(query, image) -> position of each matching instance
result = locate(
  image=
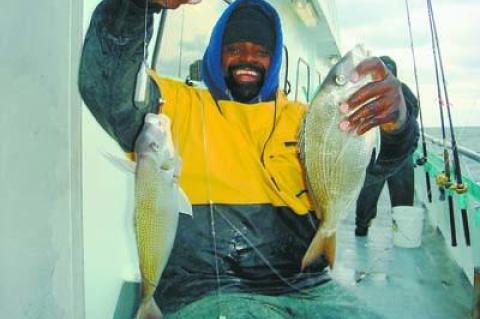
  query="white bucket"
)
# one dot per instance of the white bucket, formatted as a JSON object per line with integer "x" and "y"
{"x": 407, "y": 226}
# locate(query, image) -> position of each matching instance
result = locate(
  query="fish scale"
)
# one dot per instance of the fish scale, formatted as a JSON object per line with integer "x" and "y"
{"x": 158, "y": 202}
{"x": 153, "y": 224}
{"x": 335, "y": 161}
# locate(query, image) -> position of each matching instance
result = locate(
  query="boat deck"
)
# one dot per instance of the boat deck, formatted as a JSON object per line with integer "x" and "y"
{"x": 398, "y": 282}
{"x": 395, "y": 282}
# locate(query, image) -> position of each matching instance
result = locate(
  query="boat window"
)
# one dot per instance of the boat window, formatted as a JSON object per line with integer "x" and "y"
{"x": 284, "y": 71}
{"x": 184, "y": 41}
{"x": 319, "y": 78}
{"x": 302, "y": 80}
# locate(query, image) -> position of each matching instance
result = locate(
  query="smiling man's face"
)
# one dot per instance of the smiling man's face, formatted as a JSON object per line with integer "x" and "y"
{"x": 245, "y": 65}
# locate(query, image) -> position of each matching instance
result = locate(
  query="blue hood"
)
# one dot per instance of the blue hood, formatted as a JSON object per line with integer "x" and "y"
{"x": 212, "y": 72}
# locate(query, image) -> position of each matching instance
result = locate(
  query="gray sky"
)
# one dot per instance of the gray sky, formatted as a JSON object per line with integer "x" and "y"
{"x": 382, "y": 26}
{"x": 383, "y": 29}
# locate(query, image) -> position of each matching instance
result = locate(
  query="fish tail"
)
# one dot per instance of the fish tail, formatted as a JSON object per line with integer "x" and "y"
{"x": 149, "y": 310}
{"x": 322, "y": 244}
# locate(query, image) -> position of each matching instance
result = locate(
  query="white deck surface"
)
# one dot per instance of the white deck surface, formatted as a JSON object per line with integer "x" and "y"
{"x": 398, "y": 282}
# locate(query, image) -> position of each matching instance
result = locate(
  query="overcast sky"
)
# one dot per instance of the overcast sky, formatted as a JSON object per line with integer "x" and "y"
{"x": 382, "y": 26}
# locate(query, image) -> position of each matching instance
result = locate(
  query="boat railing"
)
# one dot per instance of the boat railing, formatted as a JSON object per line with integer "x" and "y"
{"x": 467, "y": 256}
{"x": 462, "y": 150}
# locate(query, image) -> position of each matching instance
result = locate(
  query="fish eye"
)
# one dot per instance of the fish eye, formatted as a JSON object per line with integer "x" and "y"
{"x": 340, "y": 79}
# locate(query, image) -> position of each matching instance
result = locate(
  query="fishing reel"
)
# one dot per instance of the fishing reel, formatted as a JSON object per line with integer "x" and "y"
{"x": 421, "y": 161}
{"x": 459, "y": 188}
{"x": 443, "y": 181}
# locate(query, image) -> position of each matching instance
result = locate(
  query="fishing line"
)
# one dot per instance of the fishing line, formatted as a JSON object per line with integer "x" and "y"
{"x": 210, "y": 204}
{"x": 259, "y": 253}
{"x": 181, "y": 44}
{"x": 247, "y": 240}
{"x": 440, "y": 100}
{"x": 141, "y": 84}
{"x": 230, "y": 223}
{"x": 369, "y": 270}
{"x": 460, "y": 187}
{"x": 145, "y": 37}
{"x": 423, "y": 160}
{"x": 158, "y": 41}
{"x": 225, "y": 218}
{"x": 262, "y": 156}
{"x": 443, "y": 181}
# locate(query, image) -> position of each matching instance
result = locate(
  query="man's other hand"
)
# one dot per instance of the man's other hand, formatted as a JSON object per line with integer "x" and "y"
{"x": 382, "y": 99}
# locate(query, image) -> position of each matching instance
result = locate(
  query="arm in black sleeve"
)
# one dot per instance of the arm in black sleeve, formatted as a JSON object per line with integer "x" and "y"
{"x": 396, "y": 148}
{"x": 410, "y": 100}
{"x": 111, "y": 57}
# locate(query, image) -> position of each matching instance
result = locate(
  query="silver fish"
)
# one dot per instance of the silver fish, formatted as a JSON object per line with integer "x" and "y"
{"x": 158, "y": 201}
{"x": 335, "y": 161}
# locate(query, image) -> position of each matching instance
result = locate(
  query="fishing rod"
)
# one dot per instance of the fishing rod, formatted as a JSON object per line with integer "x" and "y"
{"x": 423, "y": 160}
{"x": 443, "y": 180}
{"x": 158, "y": 40}
{"x": 141, "y": 92}
{"x": 459, "y": 187}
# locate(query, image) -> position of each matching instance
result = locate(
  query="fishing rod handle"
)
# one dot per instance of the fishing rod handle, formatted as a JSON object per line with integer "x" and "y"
{"x": 451, "y": 210}
{"x": 466, "y": 229}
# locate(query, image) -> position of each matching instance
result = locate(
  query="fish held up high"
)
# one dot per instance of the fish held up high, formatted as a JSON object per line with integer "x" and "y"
{"x": 158, "y": 202}
{"x": 335, "y": 161}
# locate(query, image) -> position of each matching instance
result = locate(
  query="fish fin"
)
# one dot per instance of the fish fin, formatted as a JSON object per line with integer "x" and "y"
{"x": 321, "y": 244}
{"x": 331, "y": 249}
{"x": 120, "y": 163}
{"x": 149, "y": 310}
{"x": 184, "y": 205}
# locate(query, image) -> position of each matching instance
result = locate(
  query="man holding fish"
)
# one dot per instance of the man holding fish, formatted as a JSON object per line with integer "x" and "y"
{"x": 400, "y": 180}
{"x": 254, "y": 215}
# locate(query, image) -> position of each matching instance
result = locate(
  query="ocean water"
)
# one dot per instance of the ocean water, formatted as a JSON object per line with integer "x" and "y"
{"x": 468, "y": 137}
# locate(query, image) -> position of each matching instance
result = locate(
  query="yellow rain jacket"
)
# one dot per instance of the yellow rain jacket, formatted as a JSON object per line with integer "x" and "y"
{"x": 234, "y": 153}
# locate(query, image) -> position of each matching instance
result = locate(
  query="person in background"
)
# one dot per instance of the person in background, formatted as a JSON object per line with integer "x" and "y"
{"x": 400, "y": 181}
{"x": 238, "y": 140}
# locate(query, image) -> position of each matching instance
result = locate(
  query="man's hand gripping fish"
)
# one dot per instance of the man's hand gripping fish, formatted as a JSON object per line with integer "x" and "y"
{"x": 158, "y": 202}
{"x": 335, "y": 161}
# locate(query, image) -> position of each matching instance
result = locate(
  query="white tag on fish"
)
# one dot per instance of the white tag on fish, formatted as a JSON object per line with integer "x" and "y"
{"x": 184, "y": 205}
